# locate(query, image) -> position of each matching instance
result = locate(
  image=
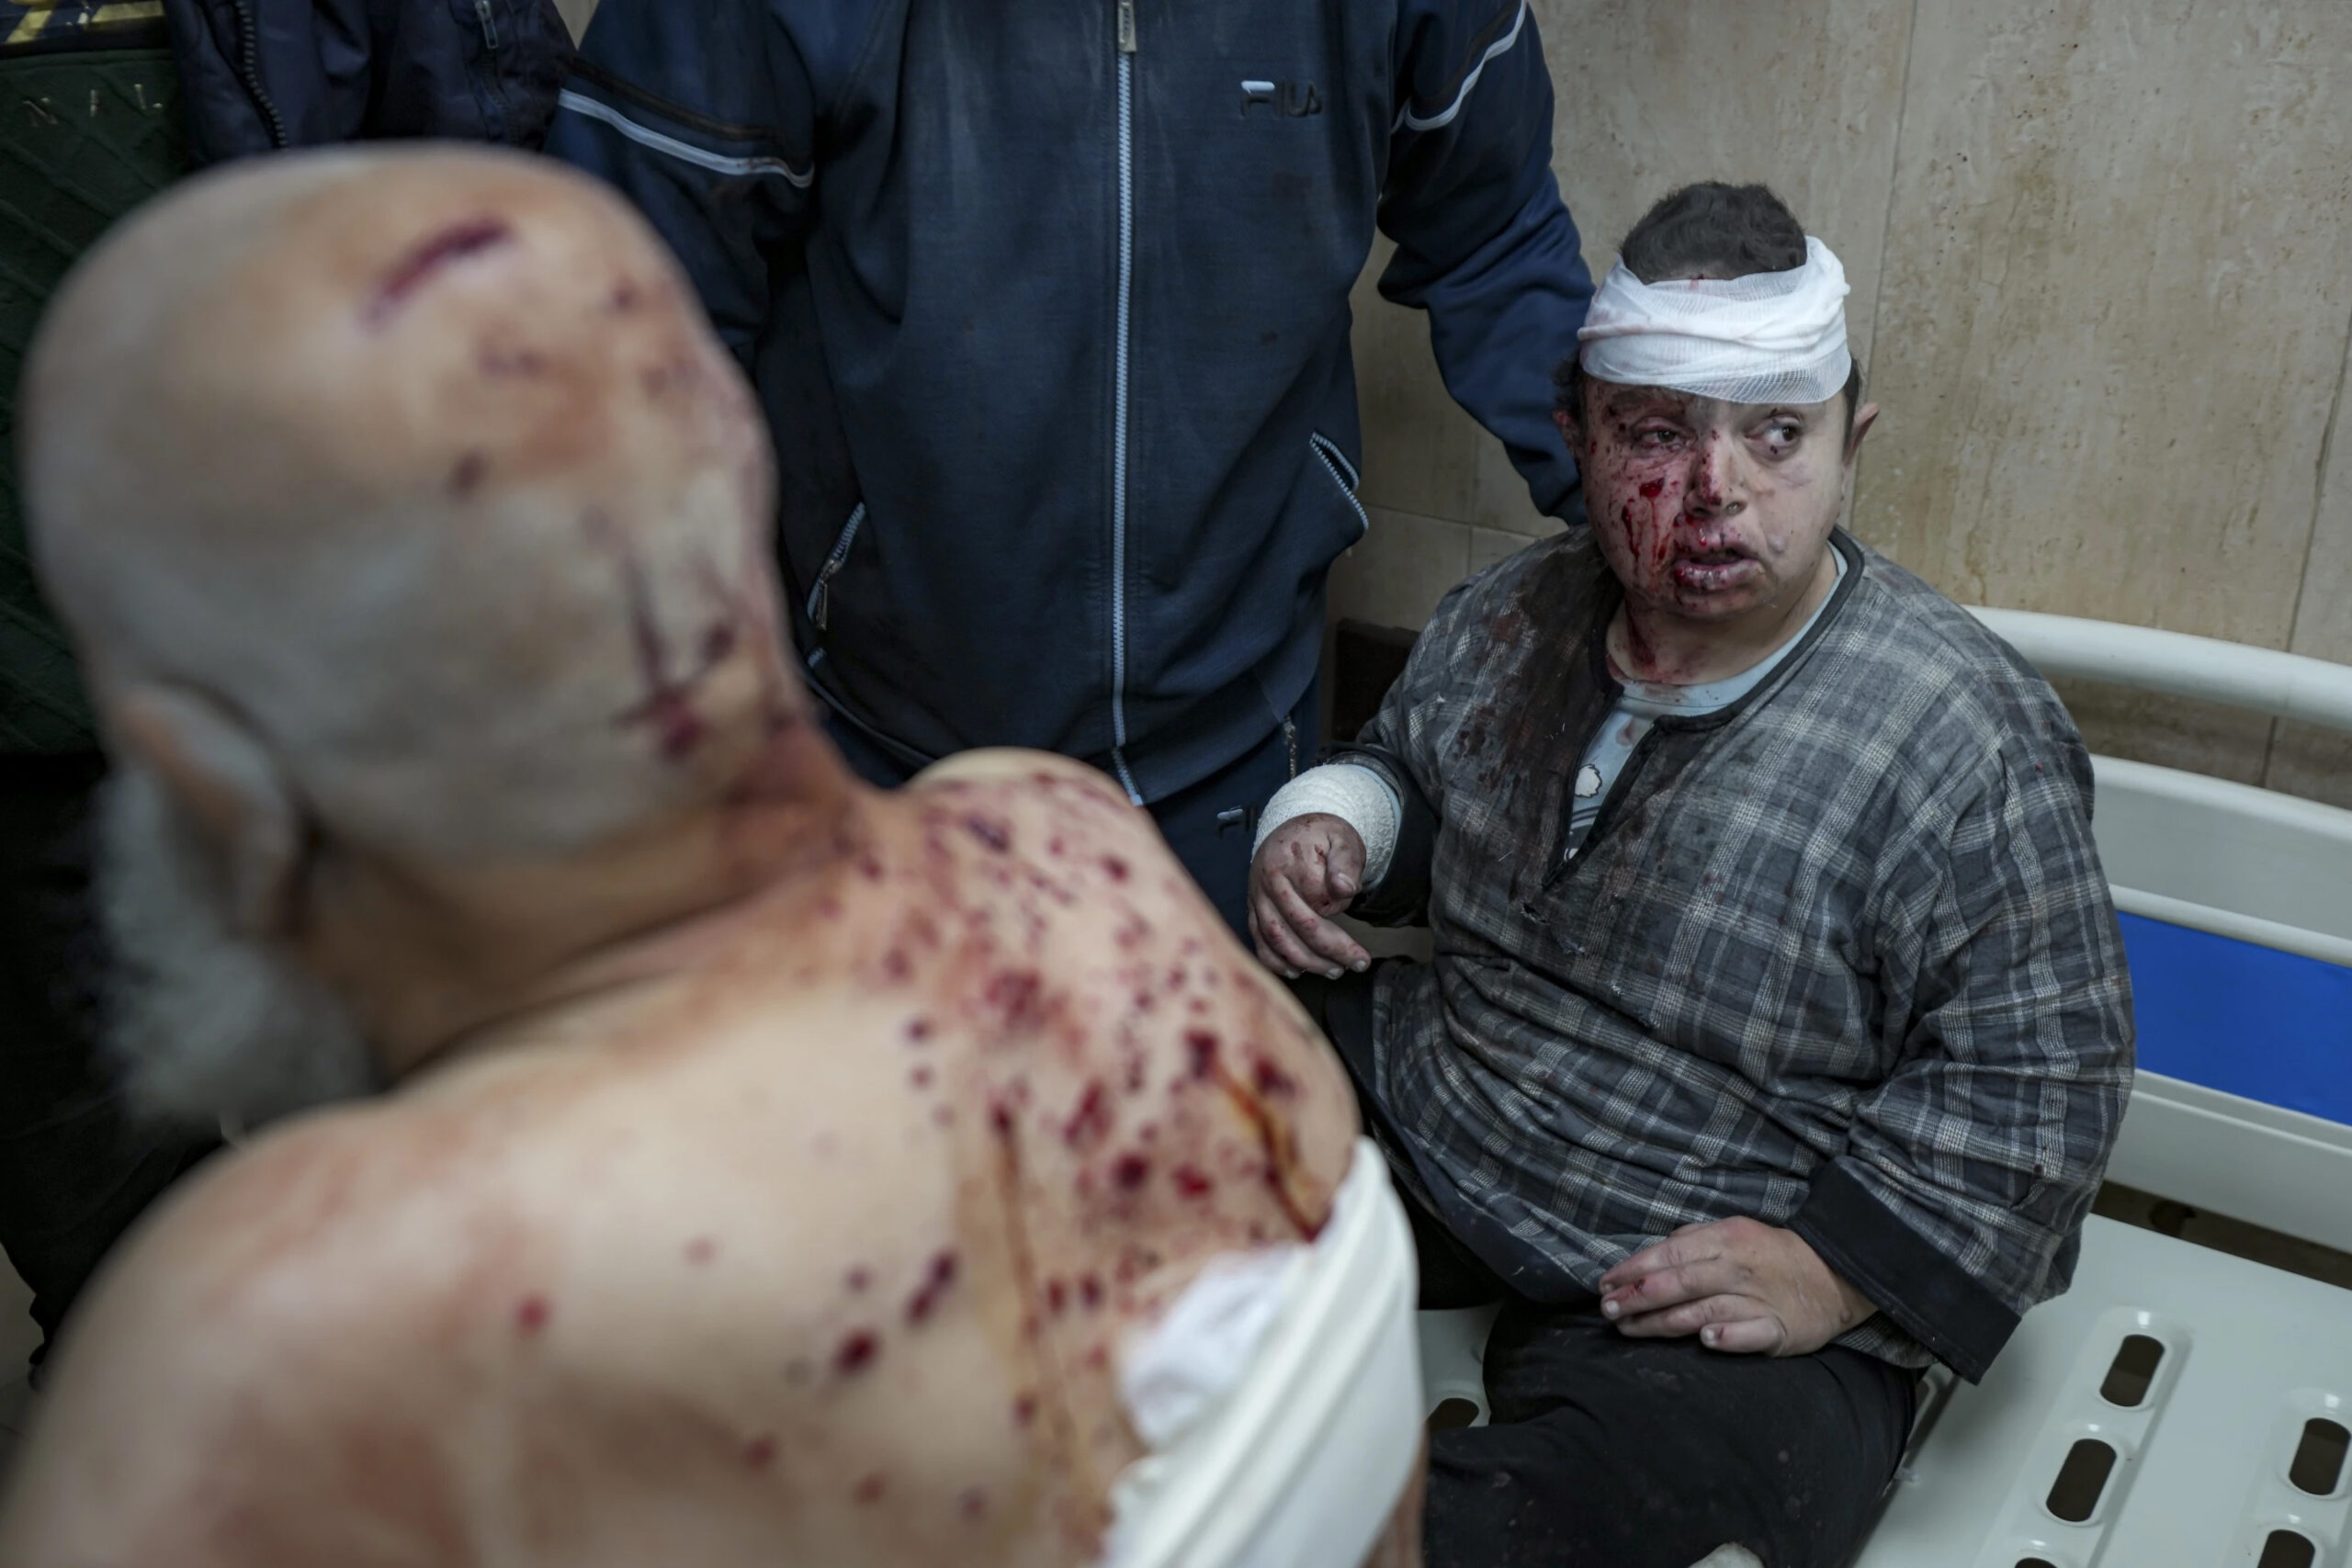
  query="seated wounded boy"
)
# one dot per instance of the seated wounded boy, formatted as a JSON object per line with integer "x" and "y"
{"x": 1778, "y": 1026}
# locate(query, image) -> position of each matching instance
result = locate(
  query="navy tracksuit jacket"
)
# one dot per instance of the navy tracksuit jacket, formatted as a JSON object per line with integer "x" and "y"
{"x": 1047, "y": 304}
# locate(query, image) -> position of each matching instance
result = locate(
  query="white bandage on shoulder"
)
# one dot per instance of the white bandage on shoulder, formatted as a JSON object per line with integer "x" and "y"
{"x": 1281, "y": 1396}
{"x": 1767, "y": 338}
{"x": 1353, "y": 794}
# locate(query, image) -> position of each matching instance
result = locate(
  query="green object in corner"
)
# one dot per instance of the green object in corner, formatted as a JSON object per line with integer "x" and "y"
{"x": 90, "y": 127}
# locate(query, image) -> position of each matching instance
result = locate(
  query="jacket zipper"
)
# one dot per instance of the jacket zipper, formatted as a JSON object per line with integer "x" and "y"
{"x": 821, "y": 597}
{"x": 489, "y": 24}
{"x": 1126, "y": 46}
{"x": 249, "y": 72}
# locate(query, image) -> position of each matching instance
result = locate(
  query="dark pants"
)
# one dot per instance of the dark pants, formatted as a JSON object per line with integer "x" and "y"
{"x": 73, "y": 1171}
{"x": 1208, "y": 825}
{"x": 1608, "y": 1452}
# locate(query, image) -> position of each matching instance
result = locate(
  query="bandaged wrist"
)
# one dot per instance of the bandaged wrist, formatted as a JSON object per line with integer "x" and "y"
{"x": 1350, "y": 792}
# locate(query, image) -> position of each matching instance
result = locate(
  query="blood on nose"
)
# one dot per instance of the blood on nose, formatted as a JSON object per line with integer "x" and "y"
{"x": 1709, "y": 466}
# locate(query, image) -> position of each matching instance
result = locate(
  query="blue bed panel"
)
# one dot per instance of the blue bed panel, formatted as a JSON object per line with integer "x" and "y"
{"x": 2246, "y": 1020}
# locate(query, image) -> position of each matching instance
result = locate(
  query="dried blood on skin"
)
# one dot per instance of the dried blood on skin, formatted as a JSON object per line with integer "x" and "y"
{"x": 920, "y": 1078}
{"x": 435, "y": 250}
{"x": 1192, "y": 1181}
{"x": 858, "y": 1278}
{"x": 1024, "y": 1410}
{"x": 1270, "y": 1079}
{"x": 996, "y": 835}
{"x": 856, "y": 1352}
{"x": 937, "y": 1282}
{"x": 1090, "y": 1121}
{"x": 917, "y": 1031}
{"x": 759, "y": 1453}
{"x": 531, "y": 1314}
{"x": 1201, "y": 1045}
{"x": 869, "y": 1489}
{"x": 470, "y": 470}
{"x": 1090, "y": 1291}
{"x": 1115, "y": 868}
{"x": 1130, "y": 1171}
{"x": 701, "y": 1249}
{"x": 1015, "y": 996}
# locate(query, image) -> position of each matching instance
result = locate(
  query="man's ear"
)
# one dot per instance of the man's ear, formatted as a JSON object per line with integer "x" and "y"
{"x": 220, "y": 772}
{"x": 1570, "y": 431}
{"x": 1864, "y": 417}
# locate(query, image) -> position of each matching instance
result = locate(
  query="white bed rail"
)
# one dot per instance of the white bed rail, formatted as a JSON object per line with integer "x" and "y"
{"x": 2285, "y": 686}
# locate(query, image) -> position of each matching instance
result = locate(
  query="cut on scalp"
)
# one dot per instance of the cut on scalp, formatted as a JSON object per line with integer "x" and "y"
{"x": 1708, "y": 228}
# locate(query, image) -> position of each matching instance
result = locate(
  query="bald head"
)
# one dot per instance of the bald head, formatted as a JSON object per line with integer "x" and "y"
{"x": 403, "y": 503}
{"x": 423, "y": 468}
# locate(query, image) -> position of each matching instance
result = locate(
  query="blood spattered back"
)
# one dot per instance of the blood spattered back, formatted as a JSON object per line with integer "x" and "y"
{"x": 1125, "y": 1092}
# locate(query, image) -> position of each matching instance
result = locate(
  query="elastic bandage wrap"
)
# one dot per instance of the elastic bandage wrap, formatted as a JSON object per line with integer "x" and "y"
{"x": 1353, "y": 794}
{"x": 1280, "y": 1397}
{"x": 1770, "y": 337}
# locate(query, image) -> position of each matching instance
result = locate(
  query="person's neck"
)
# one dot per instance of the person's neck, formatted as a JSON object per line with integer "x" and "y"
{"x": 1651, "y": 644}
{"x": 440, "y": 965}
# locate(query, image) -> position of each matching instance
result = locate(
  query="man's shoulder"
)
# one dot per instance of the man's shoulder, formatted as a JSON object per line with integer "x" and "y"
{"x": 259, "y": 1314}
{"x": 1546, "y": 578}
{"x": 1928, "y": 652}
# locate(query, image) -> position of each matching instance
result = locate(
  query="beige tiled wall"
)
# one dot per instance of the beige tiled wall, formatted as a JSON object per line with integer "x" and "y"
{"x": 2098, "y": 256}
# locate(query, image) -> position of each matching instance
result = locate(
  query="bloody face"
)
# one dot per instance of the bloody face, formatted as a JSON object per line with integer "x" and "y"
{"x": 1708, "y": 511}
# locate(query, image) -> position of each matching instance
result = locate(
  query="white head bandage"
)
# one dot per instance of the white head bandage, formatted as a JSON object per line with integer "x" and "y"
{"x": 1281, "y": 1396}
{"x": 1770, "y": 337}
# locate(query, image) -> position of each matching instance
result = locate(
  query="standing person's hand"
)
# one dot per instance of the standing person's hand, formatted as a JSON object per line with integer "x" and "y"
{"x": 1308, "y": 868}
{"x": 1740, "y": 1285}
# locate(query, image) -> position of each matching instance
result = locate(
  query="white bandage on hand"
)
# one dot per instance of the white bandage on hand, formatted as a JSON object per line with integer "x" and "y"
{"x": 1350, "y": 792}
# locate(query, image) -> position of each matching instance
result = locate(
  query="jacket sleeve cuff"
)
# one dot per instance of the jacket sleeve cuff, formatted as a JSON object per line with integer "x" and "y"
{"x": 1937, "y": 1301}
{"x": 1401, "y": 898}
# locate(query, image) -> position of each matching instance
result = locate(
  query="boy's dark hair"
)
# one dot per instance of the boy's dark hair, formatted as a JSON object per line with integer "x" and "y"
{"x": 1726, "y": 231}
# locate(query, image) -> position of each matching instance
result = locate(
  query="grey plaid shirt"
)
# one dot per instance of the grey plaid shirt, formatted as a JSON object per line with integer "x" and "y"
{"x": 1840, "y": 956}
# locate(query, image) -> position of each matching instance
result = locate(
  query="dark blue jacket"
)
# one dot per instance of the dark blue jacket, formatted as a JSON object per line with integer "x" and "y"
{"x": 265, "y": 74}
{"x": 1047, "y": 302}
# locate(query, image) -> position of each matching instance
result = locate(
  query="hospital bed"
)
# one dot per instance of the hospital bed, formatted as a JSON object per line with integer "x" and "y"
{"x": 2178, "y": 1408}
